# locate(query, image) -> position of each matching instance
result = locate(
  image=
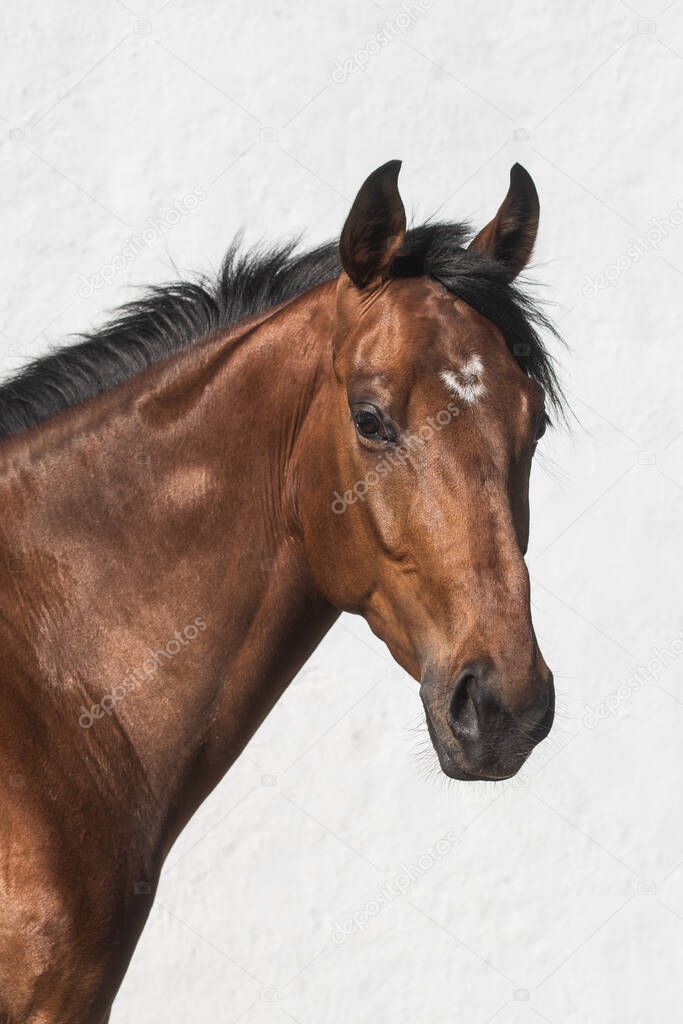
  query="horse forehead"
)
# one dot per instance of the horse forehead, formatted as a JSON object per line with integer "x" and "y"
{"x": 415, "y": 330}
{"x": 475, "y": 350}
{"x": 424, "y": 320}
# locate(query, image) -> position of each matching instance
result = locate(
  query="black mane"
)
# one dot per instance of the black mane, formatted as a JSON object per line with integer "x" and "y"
{"x": 173, "y": 316}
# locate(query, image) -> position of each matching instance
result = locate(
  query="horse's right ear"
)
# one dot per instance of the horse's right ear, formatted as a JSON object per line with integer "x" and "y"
{"x": 375, "y": 228}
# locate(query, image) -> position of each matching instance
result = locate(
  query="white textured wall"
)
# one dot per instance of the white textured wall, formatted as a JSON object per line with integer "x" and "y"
{"x": 560, "y": 899}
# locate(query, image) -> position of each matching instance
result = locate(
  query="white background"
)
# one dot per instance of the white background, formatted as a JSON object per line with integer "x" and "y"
{"x": 562, "y": 900}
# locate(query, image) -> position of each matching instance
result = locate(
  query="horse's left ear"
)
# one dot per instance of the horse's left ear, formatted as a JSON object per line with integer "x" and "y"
{"x": 375, "y": 227}
{"x": 509, "y": 238}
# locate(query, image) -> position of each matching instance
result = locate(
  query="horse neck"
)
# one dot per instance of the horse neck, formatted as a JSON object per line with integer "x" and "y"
{"x": 160, "y": 546}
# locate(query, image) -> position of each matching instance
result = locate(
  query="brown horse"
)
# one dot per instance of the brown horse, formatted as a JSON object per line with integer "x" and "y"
{"x": 191, "y": 496}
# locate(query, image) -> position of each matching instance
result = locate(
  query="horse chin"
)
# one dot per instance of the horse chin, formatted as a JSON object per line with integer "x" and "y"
{"x": 454, "y": 766}
{"x": 454, "y": 771}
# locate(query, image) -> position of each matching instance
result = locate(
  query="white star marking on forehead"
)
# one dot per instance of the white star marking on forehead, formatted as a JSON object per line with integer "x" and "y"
{"x": 466, "y": 383}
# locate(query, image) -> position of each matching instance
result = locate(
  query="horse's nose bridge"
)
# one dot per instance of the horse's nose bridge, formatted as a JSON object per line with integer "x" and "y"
{"x": 502, "y": 576}
{"x": 491, "y": 603}
{"x": 477, "y": 570}
{"x": 498, "y": 622}
{"x": 494, "y": 565}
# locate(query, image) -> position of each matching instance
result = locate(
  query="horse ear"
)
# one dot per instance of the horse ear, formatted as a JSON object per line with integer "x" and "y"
{"x": 375, "y": 227}
{"x": 509, "y": 238}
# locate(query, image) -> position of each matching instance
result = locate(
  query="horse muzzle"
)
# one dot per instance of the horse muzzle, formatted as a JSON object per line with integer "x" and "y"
{"x": 475, "y": 734}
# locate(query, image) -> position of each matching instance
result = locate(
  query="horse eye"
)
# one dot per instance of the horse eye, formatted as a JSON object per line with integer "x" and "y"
{"x": 369, "y": 424}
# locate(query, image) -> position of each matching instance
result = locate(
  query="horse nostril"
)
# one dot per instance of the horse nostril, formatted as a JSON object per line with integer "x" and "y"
{"x": 466, "y": 700}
